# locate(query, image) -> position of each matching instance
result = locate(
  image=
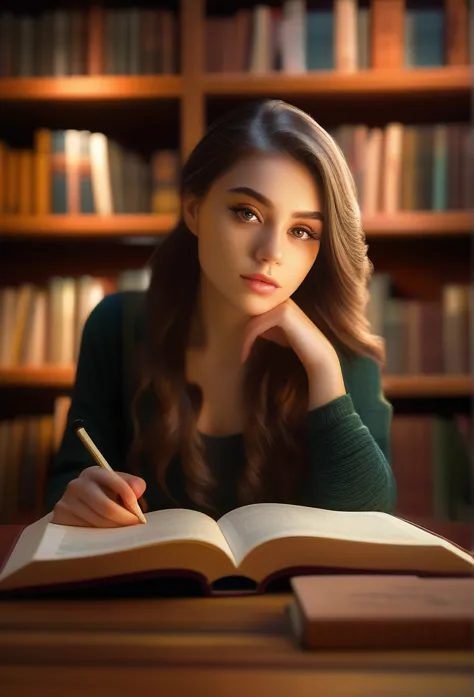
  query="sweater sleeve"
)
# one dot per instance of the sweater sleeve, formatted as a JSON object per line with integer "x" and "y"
{"x": 96, "y": 398}
{"x": 349, "y": 447}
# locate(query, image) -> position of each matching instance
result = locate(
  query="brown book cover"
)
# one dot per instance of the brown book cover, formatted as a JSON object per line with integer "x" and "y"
{"x": 456, "y": 32}
{"x": 12, "y": 169}
{"x": 345, "y": 35}
{"x": 431, "y": 333}
{"x": 412, "y": 337}
{"x": 95, "y": 46}
{"x": 408, "y": 173}
{"x": 411, "y": 459}
{"x": 243, "y": 28}
{"x": 387, "y": 33}
{"x": 42, "y": 196}
{"x": 382, "y": 612}
{"x": 25, "y": 167}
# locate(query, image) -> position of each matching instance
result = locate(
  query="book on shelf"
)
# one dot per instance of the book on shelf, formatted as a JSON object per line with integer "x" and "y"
{"x": 422, "y": 336}
{"x": 43, "y": 325}
{"x": 399, "y": 167}
{"x": 79, "y": 172}
{"x": 404, "y": 167}
{"x": 381, "y": 612}
{"x": 27, "y": 446}
{"x": 342, "y": 36}
{"x": 95, "y": 41}
{"x": 432, "y": 462}
{"x": 259, "y": 543}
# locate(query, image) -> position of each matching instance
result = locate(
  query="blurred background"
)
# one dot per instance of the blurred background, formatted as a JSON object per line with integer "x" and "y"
{"x": 100, "y": 104}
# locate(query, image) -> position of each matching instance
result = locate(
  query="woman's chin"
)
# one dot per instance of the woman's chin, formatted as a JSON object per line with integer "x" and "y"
{"x": 253, "y": 306}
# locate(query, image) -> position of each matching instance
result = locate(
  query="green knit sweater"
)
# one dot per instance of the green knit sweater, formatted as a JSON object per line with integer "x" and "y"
{"x": 348, "y": 439}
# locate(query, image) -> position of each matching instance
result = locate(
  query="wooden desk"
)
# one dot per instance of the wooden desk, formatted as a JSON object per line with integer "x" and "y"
{"x": 210, "y": 647}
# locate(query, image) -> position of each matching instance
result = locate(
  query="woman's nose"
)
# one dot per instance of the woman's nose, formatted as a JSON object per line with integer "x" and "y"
{"x": 270, "y": 247}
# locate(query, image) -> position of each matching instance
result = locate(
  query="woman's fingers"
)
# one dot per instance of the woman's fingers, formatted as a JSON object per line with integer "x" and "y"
{"x": 105, "y": 508}
{"x": 113, "y": 481}
{"x": 62, "y": 515}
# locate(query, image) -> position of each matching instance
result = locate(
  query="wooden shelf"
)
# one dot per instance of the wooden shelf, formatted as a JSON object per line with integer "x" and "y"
{"x": 420, "y": 82}
{"x": 85, "y": 226}
{"x": 419, "y": 224}
{"x": 59, "y": 377}
{"x": 90, "y": 87}
{"x": 51, "y": 376}
{"x": 404, "y": 224}
{"x": 428, "y": 386}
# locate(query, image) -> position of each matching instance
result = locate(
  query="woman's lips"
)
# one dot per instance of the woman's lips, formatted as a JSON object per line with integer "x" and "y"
{"x": 258, "y": 286}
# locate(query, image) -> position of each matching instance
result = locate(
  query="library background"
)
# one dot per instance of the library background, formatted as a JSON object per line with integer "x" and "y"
{"x": 100, "y": 103}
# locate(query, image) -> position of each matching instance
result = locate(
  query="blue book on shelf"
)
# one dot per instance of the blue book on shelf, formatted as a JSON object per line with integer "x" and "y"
{"x": 424, "y": 37}
{"x": 58, "y": 172}
{"x": 86, "y": 198}
{"x": 320, "y": 40}
{"x": 440, "y": 168}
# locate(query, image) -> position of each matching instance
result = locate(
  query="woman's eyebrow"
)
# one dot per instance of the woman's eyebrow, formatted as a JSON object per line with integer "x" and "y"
{"x": 246, "y": 190}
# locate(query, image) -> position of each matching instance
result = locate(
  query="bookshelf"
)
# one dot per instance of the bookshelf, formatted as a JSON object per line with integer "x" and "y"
{"x": 407, "y": 224}
{"x": 424, "y": 250}
{"x": 400, "y": 386}
{"x": 108, "y": 88}
{"x": 85, "y": 226}
{"x": 443, "y": 82}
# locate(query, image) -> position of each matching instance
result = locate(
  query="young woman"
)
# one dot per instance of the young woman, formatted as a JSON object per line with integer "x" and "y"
{"x": 258, "y": 378}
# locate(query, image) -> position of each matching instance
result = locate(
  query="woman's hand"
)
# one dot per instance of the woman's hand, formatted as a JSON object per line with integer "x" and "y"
{"x": 287, "y": 325}
{"x": 93, "y": 499}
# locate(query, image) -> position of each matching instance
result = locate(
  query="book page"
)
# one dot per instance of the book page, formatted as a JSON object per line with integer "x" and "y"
{"x": 250, "y": 526}
{"x": 67, "y": 542}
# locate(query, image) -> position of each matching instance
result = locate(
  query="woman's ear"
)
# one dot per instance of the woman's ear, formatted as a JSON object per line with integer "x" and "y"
{"x": 191, "y": 212}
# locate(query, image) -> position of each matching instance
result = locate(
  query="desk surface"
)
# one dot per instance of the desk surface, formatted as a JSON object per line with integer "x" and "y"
{"x": 213, "y": 646}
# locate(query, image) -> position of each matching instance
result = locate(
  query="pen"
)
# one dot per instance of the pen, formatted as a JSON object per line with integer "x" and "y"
{"x": 78, "y": 426}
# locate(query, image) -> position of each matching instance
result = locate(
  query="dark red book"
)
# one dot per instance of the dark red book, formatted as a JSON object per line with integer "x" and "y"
{"x": 382, "y": 612}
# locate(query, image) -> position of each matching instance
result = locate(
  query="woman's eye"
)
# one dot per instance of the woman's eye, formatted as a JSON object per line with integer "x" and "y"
{"x": 301, "y": 234}
{"x": 245, "y": 214}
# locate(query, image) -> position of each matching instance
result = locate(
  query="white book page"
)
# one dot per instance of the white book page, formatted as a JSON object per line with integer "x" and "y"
{"x": 249, "y": 526}
{"x": 172, "y": 525}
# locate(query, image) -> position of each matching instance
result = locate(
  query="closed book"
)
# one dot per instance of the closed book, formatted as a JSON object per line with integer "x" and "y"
{"x": 382, "y": 612}
{"x": 243, "y": 551}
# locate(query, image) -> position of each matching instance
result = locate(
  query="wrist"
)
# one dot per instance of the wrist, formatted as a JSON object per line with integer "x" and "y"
{"x": 325, "y": 383}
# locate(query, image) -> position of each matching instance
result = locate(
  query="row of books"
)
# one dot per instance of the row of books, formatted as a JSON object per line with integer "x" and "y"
{"x": 111, "y": 41}
{"x": 40, "y": 326}
{"x": 27, "y": 446}
{"x": 44, "y": 325}
{"x": 71, "y": 171}
{"x": 409, "y": 167}
{"x": 293, "y": 37}
{"x": 429, "y": 456}
{"x": 397, "y": 167}
{"x": 432, "y": 463}
{"x": 422, "y": 336}
{"x": 344, "y": 35}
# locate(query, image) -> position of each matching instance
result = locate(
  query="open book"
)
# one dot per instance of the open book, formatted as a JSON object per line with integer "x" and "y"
{"x": 259, "y": 542}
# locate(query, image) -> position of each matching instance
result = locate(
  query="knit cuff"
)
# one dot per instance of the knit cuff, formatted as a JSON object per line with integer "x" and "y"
{"x": 331, "y": 413}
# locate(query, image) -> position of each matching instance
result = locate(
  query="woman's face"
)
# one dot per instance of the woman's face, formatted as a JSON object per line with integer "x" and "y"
{"x": 264, "y": 216}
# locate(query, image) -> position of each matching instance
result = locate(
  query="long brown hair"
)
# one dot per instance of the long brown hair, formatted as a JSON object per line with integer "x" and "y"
{"x": 333, "y": 295}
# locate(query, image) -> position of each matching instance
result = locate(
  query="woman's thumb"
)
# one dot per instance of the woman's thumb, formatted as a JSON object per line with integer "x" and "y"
{"x": 137, "y": 484}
